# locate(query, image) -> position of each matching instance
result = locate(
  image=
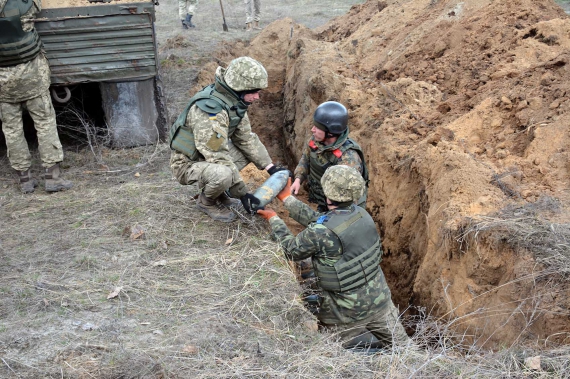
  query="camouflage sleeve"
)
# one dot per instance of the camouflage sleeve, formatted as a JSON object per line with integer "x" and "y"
{"x": 211, "y": 138}
{"x": 28, "y": 18}
{"x": 300, "y": 211}
{"x": 302, "y": 169}
{"x": 352, "y": 159}
{"x": 249, "y": 144}
{"x": 314, "y": 240}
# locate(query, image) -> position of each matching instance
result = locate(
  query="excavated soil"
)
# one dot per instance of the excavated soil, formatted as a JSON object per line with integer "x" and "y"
{"x": 461, "y": 108}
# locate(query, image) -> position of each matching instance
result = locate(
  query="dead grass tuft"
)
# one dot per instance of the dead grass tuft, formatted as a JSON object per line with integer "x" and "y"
{"x": 526, "y": 227}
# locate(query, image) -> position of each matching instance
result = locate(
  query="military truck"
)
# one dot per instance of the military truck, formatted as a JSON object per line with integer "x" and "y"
{"x": 110, "y": 49}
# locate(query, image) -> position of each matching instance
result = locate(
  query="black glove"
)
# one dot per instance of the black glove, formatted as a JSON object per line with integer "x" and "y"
{"x": 273, "y": 169}
{"x": 249, "y": 202}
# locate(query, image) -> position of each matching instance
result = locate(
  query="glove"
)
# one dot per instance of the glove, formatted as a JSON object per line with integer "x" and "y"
{"x": 273, "y": 169}
{"x": 266, "y": 213}
{"x": 285, "y": 192}
{"x": 249, "y": 202}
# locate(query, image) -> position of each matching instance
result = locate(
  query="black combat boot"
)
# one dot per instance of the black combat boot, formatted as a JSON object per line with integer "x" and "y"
{"x": 227, "y": 201}
{"x": 184, "y": 25}
{"x": 188, "y": 21}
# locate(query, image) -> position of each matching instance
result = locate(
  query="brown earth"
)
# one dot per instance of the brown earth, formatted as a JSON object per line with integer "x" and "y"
{"x": 462, "y": 111}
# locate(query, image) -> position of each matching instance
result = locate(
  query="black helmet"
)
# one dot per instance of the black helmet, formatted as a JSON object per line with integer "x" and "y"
{"x": 331, "y": 117}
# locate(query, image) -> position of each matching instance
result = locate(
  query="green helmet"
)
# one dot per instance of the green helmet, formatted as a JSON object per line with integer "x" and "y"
{"x": 342, "y": 184}
{"x": 245, "y": 74}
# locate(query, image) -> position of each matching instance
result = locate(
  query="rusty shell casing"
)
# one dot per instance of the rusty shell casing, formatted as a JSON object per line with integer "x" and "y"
{"x": 271, "y": 187}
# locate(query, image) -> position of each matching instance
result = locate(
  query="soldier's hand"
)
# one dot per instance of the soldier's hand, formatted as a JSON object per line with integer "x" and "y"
{"x": 266, "y": 213}
{"x": 249, "y": 202}
{"x": 296, "y": 186}
{"x": 285, "y": 192}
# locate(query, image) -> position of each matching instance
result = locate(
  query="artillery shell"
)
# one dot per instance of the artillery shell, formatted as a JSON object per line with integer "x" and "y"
{"x": 271, "y": 187}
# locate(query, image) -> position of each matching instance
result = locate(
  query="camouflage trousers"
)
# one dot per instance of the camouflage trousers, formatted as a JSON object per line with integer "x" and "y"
{"x": 186, "y": 7}
{"x": 212, "y": 178}
{"x": 42, "y": 112}
{"x": 252, "y": 10}
{"x": 385, "y": 325}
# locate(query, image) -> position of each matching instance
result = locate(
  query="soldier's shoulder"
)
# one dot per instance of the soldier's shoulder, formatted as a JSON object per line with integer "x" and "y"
{"x": 209, "y": 106}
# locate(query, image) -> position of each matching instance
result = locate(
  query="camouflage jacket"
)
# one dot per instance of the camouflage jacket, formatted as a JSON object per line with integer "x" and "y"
{"x": 206, "y": 125}
{"x": 319, "y": 243}
{"x": 27, "y": 80}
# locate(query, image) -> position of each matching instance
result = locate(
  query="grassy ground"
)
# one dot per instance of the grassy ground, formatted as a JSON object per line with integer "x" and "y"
{"x": 121, "y": 277}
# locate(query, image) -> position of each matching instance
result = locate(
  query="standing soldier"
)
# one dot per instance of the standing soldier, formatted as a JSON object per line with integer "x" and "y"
{"x": 329, "y": 146}
{"x": 186, "y": 10}
{"x": 24, "y": 84}
{"x": 212, "y": 139}
{"x": 345, "y": 250}
{"x": 252, "y": 14}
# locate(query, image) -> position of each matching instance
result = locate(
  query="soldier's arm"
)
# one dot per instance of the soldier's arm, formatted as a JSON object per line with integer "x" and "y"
{"x": 29, "y": 18}
{"x": 211, "y": 138}
{"x": 352, "y": 159}
{"x": 302, "y": 169}
{"x": 315, "y": 240}
{"x": 300, "y": 211}
{"x": 249, "y": 144}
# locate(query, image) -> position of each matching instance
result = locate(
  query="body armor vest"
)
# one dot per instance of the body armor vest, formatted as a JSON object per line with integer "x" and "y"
{"x": 318, "y": 166}
{"x": 16, "y": 45}
{"x": 211, "y": 99}
{"x": 361, "y": 250}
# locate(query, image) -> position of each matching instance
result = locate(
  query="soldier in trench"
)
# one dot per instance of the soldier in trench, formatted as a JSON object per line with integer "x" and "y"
{"x": 329, "y": 146}
{"x": 212, "y": 140}
{"x": 24, "y": 84}
{"x": 345, "y": 250}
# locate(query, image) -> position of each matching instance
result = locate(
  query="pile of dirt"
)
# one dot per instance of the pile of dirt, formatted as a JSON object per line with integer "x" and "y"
{"x": 461, "y": 108}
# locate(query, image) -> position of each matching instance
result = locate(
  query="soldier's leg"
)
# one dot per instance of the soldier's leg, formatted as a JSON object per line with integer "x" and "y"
{"x": 182, "y": 9}
{"x": 256, "y": 10}
{"x": 13, "y": 128}
{"x": 43, "y": 114}
{"x": 214, "y": 180}
{"x": 18, "y": 152}
{"x": 387, "y": 327}
{"x": 248, "y": 14}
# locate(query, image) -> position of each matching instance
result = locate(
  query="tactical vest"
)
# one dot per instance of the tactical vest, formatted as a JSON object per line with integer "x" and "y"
{"x": 317, "y": 168}
{"x": 17, "y": 46}
{"x": 211, "y": 100}
{"x": 361, "y": 251}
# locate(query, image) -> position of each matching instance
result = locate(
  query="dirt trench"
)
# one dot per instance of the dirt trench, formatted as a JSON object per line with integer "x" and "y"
{"x": 462, "y": 111}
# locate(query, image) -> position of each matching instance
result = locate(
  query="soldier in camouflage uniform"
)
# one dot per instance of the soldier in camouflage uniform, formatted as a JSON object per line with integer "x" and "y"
{"x": 345, "y": 250}
{"x": 329, "y": 145}
{"x": 186, "y": 10}
{"x": 212, "y": 140}
{"x": 24, "y": 84}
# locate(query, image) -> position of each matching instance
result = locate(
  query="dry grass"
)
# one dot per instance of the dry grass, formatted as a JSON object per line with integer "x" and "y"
{"x": 198, "y": 299}
{"x": 527, "y": 227}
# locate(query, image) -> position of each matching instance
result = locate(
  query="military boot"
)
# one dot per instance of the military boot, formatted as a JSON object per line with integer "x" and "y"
{"x": 248, "y": 27}
{"x": 188, "y": 21}
{"x": 54, "y": 182}
{"x": 26, "y": 182}
{"x": 216, "y": 211}
{"x": 227, "y": 201}
{"x": 256, "y": 25}
{"x": 184, "y": 25}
